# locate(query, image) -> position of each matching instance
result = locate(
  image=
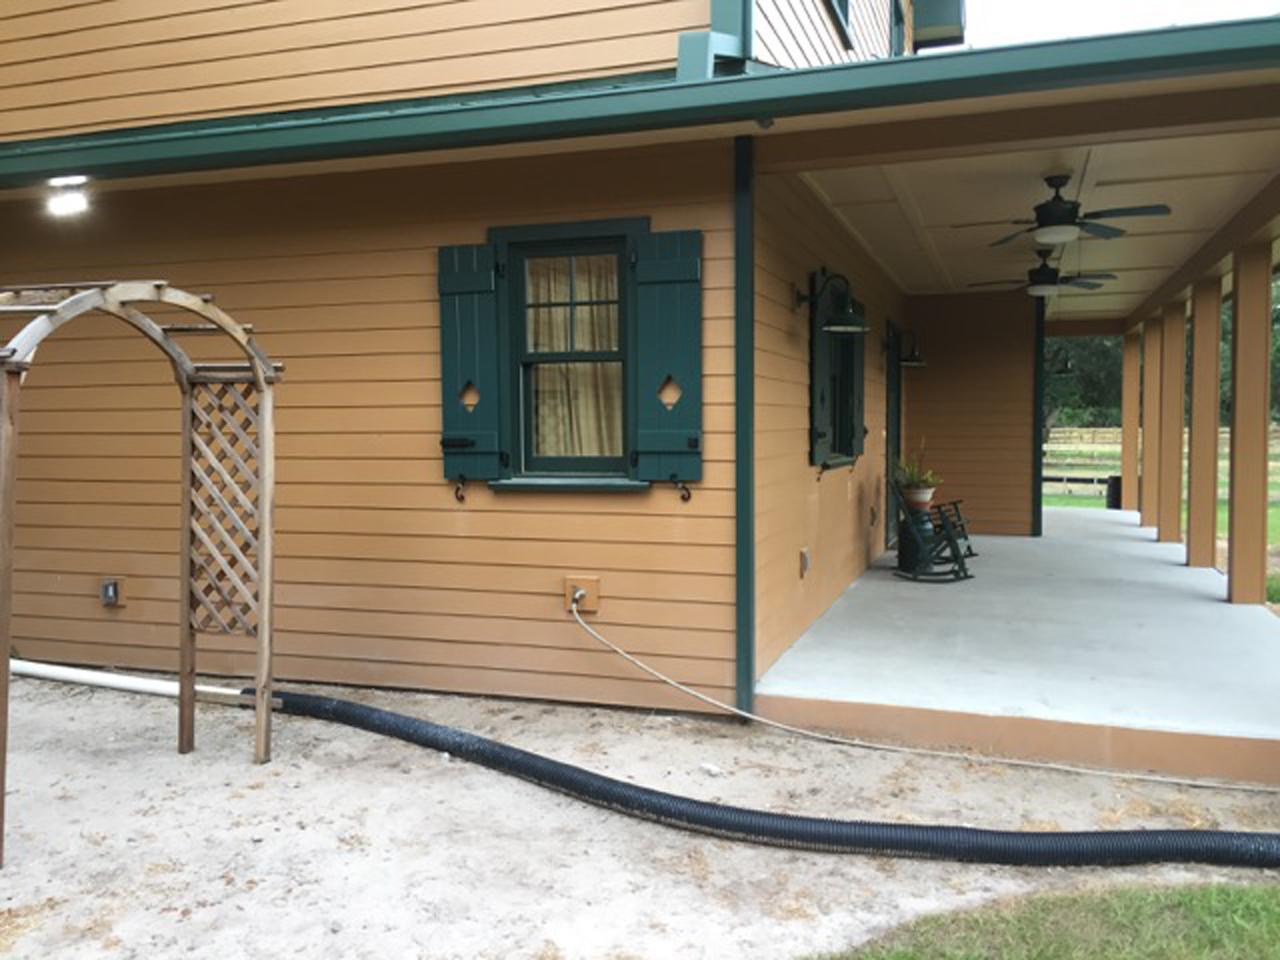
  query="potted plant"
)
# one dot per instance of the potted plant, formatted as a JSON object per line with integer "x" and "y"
{"x": 916, "y": 481}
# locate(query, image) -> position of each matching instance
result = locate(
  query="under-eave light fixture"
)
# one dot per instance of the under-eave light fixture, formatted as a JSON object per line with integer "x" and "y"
{"x": 69, "y": 197}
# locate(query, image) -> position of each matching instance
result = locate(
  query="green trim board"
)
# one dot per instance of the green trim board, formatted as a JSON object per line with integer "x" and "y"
{"x": 621, "y": 105}
{"x": 744, "y": 421}
{"x": 839, "y": 13}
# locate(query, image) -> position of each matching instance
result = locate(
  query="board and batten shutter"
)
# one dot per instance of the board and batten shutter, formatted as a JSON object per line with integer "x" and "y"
{"x": 821, "y": 402}
{"x": 859, "y": 399}
{"x": 668, "y": 435}
{"x": 470, "y": 375}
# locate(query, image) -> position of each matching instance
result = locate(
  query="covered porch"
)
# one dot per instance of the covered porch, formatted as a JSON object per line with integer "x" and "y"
{"x": 1134, "y": 209}
{"x": 1091, "y": 644}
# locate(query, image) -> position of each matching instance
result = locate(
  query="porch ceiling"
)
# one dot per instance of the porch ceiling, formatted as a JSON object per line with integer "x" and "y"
{"x": 930, "y": 222}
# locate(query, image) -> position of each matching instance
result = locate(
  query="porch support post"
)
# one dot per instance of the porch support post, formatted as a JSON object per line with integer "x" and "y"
{"x": 1250, "y": 421}
{"x": 1150, "y": 484}
{"x": 744, "y": 424}
{"x": 1173, "y": 377}
{"x": 1202, "y": 459}
{"x": 10, "y": 383}
{"x": 1130, "y": 402}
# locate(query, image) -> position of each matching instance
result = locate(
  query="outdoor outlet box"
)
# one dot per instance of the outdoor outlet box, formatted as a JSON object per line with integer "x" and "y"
{"x": 111, "y": 592}
{"x": 588, "y": 604}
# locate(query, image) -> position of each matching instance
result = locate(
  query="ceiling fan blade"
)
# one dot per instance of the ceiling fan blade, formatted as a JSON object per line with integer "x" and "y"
{"x": 1092, "y": 276}
{"x": 1079, "y": 284}
{"x": 996, "y": 283}
{"x": 1151, "y": 210}
{"x": 1101, "y": 230}
{"x": 989, "y": 223}
{"x": 1011, "y": 237}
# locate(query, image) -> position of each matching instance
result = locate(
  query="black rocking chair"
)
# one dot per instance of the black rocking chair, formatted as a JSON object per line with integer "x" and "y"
{"x": 929, "y": 543}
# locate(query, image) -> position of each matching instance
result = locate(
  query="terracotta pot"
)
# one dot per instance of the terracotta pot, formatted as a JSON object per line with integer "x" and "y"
{"x": 918, "y": 498}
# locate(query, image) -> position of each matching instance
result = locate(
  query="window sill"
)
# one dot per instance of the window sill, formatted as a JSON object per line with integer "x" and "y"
{"x": 572, "y": 484}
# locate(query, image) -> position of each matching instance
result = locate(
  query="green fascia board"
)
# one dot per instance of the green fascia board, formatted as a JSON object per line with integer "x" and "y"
{"x": 621, "y": 106}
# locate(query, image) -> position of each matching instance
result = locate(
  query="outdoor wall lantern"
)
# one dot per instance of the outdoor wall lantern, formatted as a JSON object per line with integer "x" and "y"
{"x": 832, "y": 304}
{"x": 913, "y": 357}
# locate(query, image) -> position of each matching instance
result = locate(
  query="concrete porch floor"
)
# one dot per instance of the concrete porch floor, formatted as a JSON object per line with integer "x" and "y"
{"x": 1093, "y": 624}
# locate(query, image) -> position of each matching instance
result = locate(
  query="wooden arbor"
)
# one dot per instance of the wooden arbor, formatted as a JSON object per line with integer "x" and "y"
{"x": 225, "y": 556}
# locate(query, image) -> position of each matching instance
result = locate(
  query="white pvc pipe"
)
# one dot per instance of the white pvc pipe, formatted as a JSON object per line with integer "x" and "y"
{"x": 118, "y": 681}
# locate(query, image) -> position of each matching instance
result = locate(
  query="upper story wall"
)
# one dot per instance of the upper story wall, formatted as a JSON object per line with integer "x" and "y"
{"x": 72, "y": 68}
{"x": 805, "y": 33}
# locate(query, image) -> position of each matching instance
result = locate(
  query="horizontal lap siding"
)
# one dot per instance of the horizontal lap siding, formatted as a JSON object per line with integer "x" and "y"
{"x": 803, "y": 33}
{"x": 130, "y": 62}
{"x": 831, "y": 514}
{"x": 971, "y": 406}
{"x": 383, "y": 577}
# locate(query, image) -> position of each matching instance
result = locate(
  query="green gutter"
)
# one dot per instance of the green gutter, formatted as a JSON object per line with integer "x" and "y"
{"x": 1037, "y": 423}
{"x": 744, "y": 421}
{"x": 482, "y": 119}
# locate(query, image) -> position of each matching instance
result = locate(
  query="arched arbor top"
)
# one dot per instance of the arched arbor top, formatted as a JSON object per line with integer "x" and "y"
{"x": 52, "y": 306}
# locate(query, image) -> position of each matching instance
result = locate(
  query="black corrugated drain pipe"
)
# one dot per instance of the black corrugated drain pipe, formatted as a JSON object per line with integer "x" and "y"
{"x": 1043, "y": 849}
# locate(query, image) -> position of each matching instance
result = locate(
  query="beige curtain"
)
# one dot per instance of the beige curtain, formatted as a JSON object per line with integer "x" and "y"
{"x": 573, "y": 306}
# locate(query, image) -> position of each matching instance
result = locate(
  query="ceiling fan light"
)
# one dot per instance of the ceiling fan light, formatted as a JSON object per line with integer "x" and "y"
{"x": 1043, "y": 290}
{"x": 1058, "y": 234}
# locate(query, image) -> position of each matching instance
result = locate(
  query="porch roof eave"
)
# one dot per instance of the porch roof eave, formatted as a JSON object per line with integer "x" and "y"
{"x": 624, "y": 105}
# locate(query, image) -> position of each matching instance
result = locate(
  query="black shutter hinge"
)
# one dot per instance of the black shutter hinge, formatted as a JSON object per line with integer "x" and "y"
{"x": 504, "y": 458}
{"x": 457, "y": 443}
{"x": 499, "y": 269}
{"x": 694, "y": 443}
{"x": 635, "y": 458}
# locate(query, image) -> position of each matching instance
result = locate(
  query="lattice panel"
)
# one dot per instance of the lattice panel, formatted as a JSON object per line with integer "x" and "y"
{"x": 224, "y": 508}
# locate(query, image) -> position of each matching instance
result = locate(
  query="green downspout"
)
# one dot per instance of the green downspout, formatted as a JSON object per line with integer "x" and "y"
{"x": 1037, "y": 425}
{"x": 744, "y": 421}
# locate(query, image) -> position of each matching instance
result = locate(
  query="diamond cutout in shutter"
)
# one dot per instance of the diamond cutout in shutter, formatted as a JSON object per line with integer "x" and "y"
{"x": 669, "y": 393}
{"x": 469, "y": 397}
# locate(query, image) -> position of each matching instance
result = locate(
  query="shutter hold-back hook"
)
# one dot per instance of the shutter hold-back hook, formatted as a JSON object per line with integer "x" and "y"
{"x": 459, "y": 491}
{"x": 685, "y": 493}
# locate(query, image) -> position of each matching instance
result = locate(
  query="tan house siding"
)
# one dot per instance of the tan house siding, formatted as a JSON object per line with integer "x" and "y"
{"x": 803, "y": 33}
{"x": 383, "y": 578}
{"x": 831, "y": 515}
{"x": 129, "y": 62}
{"x": 972, "y": 405}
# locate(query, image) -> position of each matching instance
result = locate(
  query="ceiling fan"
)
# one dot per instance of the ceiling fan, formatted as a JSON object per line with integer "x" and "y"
{"x": 1059, "y": 220}
{"x": 1045, "y": 280}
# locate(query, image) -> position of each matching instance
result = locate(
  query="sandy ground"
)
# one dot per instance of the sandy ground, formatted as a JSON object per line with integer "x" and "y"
{"x": 352, "y": 846}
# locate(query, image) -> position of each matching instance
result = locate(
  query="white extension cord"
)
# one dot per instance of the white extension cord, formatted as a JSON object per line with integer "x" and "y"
{"x": 896, "y": 748}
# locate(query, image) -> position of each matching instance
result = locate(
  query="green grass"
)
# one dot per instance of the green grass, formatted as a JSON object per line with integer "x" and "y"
{"x": 1176, "y": 923}
{"x": 1073, "y": 500}
{"x": 1273, "y": 588}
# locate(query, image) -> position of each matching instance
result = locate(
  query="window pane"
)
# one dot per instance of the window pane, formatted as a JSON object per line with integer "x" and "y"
{"x": 546, "y": 280}
{"x": 547, "y": 328}
{"x": 577, "y": 409}
{"x": 595, "y": 327}
{"x": 595, "y": 277}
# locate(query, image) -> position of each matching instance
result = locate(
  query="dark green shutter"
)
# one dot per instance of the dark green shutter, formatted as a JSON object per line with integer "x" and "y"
{"x": 668, "y": 443}
{"x": 858, "y": 388}
{"x": 821, "y": 402}
{"x": 469, "y": 356}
